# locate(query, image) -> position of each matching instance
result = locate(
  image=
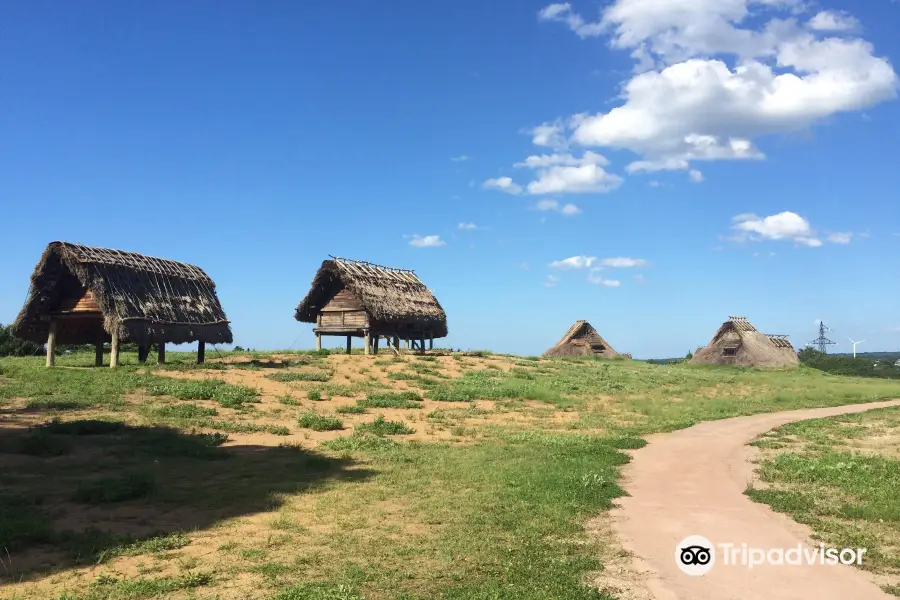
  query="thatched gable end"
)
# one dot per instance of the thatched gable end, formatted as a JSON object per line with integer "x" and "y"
{"x": 388, "y": 295}
{"x": 738, "y": 342}
{"x": 141, "y": 298}
{"x": 582, "y": 339}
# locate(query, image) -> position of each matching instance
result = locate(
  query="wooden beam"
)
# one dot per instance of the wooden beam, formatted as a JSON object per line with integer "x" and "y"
{"x": 51, "y": 343}
{"x": 161, "y": 356}
{"x": 98, "y": 354}
{"x": 114, "y": 350}
{"x": 349, "y": 342}
{"x": 143, "y": 351}
{"x": 201, "y": 352}
{"x": 318, "y": 341}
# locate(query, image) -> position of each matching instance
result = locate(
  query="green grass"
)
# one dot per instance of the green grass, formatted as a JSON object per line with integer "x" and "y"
{"x": 318, "y": 422}
{"x": 352, "y": 409}
{"x": 407, "y": 399}
{"x": 130, "y": 486}
{"x": 111, "y": 588}
{"x": 816, "y": 475}
{"x": 380, "y": 427}
{"x": 226, "y": 394}
{"x": 301, "y": 376}
{"x": 499, "y": 518}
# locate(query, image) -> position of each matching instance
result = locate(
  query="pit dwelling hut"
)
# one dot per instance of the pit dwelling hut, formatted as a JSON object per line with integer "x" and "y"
{"x": 583, "y": 340}
{"x": 85, "y": 295}
{"x": 737, "y": 342}
{"x": 359, "y": 299}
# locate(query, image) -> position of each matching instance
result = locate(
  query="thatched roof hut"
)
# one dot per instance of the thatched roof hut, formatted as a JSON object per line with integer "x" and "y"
{"x": 737, "y": 342}
{"x": 360, "y": 299}
{"x": 583, "y": 340}
{"x": 85, "y": 295}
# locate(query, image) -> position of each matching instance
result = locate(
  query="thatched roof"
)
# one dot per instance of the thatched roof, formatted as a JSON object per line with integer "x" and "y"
{"x": 389, "y": 295}
{"x": 582, "y": 339}
{"x": 738, "y": 342}
{"x": 144, "y": 299}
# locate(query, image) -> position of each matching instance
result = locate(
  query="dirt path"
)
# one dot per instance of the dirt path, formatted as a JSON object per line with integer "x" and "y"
{"x": 692, "y": 482}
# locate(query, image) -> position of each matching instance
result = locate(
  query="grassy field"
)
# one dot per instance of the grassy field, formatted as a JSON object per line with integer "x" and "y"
{"x": 840, "y": 476}
{"x": 294, "y": 476}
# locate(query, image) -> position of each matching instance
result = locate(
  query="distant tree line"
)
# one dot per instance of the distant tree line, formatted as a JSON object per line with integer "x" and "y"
{"x": 861, "y": 366}
{"x": 13, "y": 346}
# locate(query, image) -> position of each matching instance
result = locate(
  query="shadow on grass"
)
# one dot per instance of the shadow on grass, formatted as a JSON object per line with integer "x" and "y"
{"x": 82, "y": 492}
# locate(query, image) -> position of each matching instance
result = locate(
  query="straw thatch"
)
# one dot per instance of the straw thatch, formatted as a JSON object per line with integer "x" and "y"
{"x": 583, "y": 340}
{"x": 737, "y": 342}
{"x": 141, "y": 298}
{"x": 391, "y": 297}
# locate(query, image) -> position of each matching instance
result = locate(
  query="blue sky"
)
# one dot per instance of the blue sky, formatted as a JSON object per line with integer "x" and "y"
{"x": 690, "y": 162}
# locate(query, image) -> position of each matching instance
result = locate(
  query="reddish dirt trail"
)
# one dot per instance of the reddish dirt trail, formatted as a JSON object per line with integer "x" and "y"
{"x": 692, "y": 482}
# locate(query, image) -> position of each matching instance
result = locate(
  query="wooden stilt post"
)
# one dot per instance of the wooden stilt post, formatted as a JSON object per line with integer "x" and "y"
{"x": 143, "y": 351}
{"x": 396, "y": 342}
{"x": 422, "y": 344}
{"x": 98, "y": 354}
{"x": 349, "y": 342}
{"x": 375, "y": 344}
{"x": 51, "y": 343}
{"x": 368, "y": 342}
{"x": 408, "y": 344}
{"x": 201, "y": 352}
{"x": 318, "y": 341}
{"x": 161, "y": 356}
{"x": 431, "y": 341}
{"x": 114, "y": 350}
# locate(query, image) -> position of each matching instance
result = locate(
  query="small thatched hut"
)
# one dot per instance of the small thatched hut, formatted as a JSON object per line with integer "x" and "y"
{"x": 737, "y": 342}
{"x": 359, "y": 299}
{"x": 85, "y": 295}
{"x": 583, "y": 340}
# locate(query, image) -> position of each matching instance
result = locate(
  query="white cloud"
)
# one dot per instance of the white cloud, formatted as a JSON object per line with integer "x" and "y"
{"x": 596, "y": 278}
{"x": 549, "y": 160}
{"x": 574, "y": 262}
{"x": 549, "y": 135}
{"x": 832, "y": 21}
{"x": 589, "y": 178}
{"x": 551, "y": 281}
{"x": 566, "y": 210}
{"x": 504, "y": 184}
{"x": 840, "y": 238}
{"x": 695, "y": 175}
{"x": 711, "y": 81}
{"x": 568, "y": 174}
{"x": 592, "y": 262}
{"x": 569, "y": 210}
{"x": 461, "y": 158}
{"x": 467, "y": 226}
{"x": 785, "y": 225}
{"x": 426, "y": 241}
{"x": 623, "y": 263}
{"x": 564, "y": 14}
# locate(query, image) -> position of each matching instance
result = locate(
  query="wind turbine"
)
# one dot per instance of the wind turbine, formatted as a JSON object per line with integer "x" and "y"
{"x": 854, "y": 345}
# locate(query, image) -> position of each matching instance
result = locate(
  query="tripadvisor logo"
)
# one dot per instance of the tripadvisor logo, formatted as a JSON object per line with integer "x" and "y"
{"x": 695, "y": 555}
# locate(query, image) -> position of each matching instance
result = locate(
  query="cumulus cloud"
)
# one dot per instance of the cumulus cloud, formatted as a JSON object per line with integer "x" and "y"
{"x": 549, "y": 135}
{"x": 785, "y": 225}
{"x": 715, "y": 75}
{"x": 840, "y": 237}
{"x": 623, "y": 263}
{"x": 503, "y": 184}
{"x": 568, "y": 174}
{"x": 695, "y": 175}
{"x": 574, "y": 262}
{"x": 596, "y": 277}
{"x": 829, "y": 20}
{"x": 467, "y": 226}
{"x": 548, "y": 204}
{"x": 426, "y": 241}
{"x": 592, "y": 262}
